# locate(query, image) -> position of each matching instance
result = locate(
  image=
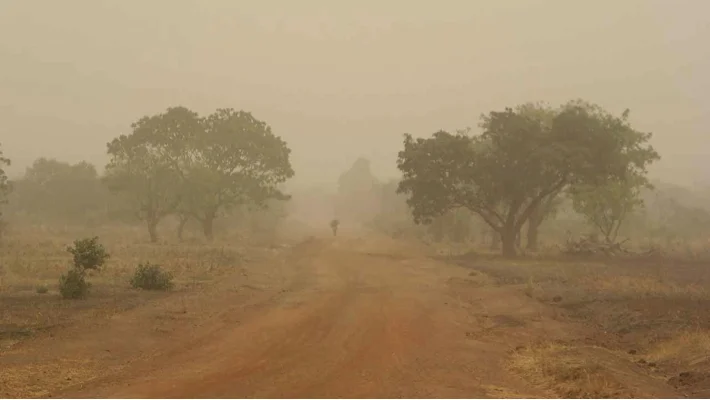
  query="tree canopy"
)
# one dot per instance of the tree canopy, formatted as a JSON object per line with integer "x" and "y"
{"x": 180, "y": 162}
{"x": 518, "y": 161}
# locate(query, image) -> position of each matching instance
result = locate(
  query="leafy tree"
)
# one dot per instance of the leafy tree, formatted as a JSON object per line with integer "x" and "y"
{"x": 233, "y": 160}
{"x": 140, "y": 167}
{"x": 56, "y": 190}
{"x": 607, "y": 206}
{"x": 517, "y": 162}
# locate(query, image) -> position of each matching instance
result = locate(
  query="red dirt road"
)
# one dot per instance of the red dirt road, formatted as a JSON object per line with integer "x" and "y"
{"x": 339, "y": 318}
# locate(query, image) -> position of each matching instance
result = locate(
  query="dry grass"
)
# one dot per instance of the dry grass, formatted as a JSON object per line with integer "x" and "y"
{"x": 689, "y": 348}
{"x": 642, "y": 285}
{"x": 644, "y": 323}
{"x": 565, "y": 372}
{"x": 36, "y": 258}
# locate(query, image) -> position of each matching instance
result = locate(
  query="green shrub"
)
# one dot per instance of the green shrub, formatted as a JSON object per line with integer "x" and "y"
{"x": 151, "y": 277}
{"x": 73, "y": 285}
{"x": 88, "y": 253}
{"x": 41, "y": 289}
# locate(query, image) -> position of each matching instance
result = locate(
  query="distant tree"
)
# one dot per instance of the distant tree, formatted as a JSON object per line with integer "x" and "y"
{"x": 5, "y": 186}
{"x": 57, "y": 190}
{"x": 608, "y": 206}
{"x": 357, "y": 195}
{"x": 233, "y": 159}
{"x": 141, "y": 168}
{"x": 517, "y": 163}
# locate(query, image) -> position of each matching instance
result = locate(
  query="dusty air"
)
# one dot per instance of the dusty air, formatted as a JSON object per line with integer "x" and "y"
{"x": 360, "y": 199}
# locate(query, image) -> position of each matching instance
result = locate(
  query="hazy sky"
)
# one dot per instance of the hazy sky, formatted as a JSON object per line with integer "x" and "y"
{"x": 342, "y": 79}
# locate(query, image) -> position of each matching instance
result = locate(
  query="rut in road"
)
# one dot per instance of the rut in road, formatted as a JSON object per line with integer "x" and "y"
{"x": 362, "y": 318}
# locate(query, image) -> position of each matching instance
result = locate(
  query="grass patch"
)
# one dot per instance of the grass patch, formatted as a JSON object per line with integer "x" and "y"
{"x": 688, "y": 348}
{"x": 566, "y": 372}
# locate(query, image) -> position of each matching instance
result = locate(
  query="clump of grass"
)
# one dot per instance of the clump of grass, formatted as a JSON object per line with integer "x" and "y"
{"x": 151, "y": 277}
{"x": 559, "y": 369}
{"x": 41, "y": 289}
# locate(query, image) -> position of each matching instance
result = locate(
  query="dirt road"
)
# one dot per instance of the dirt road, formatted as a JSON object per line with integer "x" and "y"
{"x": 343, "y": 317}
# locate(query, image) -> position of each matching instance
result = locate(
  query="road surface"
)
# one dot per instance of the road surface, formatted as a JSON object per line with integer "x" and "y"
{"x": 339, "y": 317}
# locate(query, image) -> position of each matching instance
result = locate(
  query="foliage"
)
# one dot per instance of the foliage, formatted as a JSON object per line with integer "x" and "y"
{"x": 41, "y": 289}
{"x": 178, "y": 162}
{"x": 233, "y": 160}
{"x": 151, "y": 277}
{"x": 73, "y": 284}
{"x": 517, "y": 162}
{"x": 52, "y": 190}
{"x": 139, "y": 170}
{"x": 608, "y": 206}
{"x": 393, "y": 215}
{"x": 88, "y": 254}
{"x": 5, "y": 185}
{"x": 457, "y": 225}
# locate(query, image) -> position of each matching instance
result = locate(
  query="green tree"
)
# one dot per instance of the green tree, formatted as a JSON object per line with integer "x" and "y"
{"x": 141, "y": 169}
{"x": 516, "y": 163}
{"x": 233, "y": 160}
{"x": 543, "y": 114}
{"x": 607, "y": 206}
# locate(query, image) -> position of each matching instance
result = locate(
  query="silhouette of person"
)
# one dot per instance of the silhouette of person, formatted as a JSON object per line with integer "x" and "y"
{"x": 334, "y": 226}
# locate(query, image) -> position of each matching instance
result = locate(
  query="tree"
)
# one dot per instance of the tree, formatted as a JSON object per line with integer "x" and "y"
{"x": 607, "y": 206}
{"x": 5, "y": 186}
{"x": 357, "y": 195}
{"x": 545, "y": 210}
{"x": 140, "y": 167}
{"x": 543, "y": 114}
{"x": 516, "y": 163}
{"x": 56, "y": 190}
{"x": 233, "y": 159}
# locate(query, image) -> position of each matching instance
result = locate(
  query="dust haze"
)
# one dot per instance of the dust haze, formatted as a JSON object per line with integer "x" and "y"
{"x": 343, "y": 81}
{"x": 463, "y": 198}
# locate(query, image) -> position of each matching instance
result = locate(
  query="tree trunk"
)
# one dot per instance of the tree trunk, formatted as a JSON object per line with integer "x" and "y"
{"x": 508, "y": 239}
{"x": 534, "y": 223}
{"x": 208, "y": 226}
{"x": 532, "y": 236}
{"x": 153, "y": 230}
{"x": 495, "y": 240}
{"x": 518, "y": 240}
{"x": 181, "y": 226}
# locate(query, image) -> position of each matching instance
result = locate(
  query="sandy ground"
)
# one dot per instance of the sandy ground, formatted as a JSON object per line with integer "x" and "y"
{"x": 329, "y": 317}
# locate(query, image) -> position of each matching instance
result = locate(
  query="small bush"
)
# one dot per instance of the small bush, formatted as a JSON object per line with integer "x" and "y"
{"x": 41, "y": 289}
{"x": 151, "y": 277}
{"x": 88, "y": 253}
{"x": 73, "y": 285}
